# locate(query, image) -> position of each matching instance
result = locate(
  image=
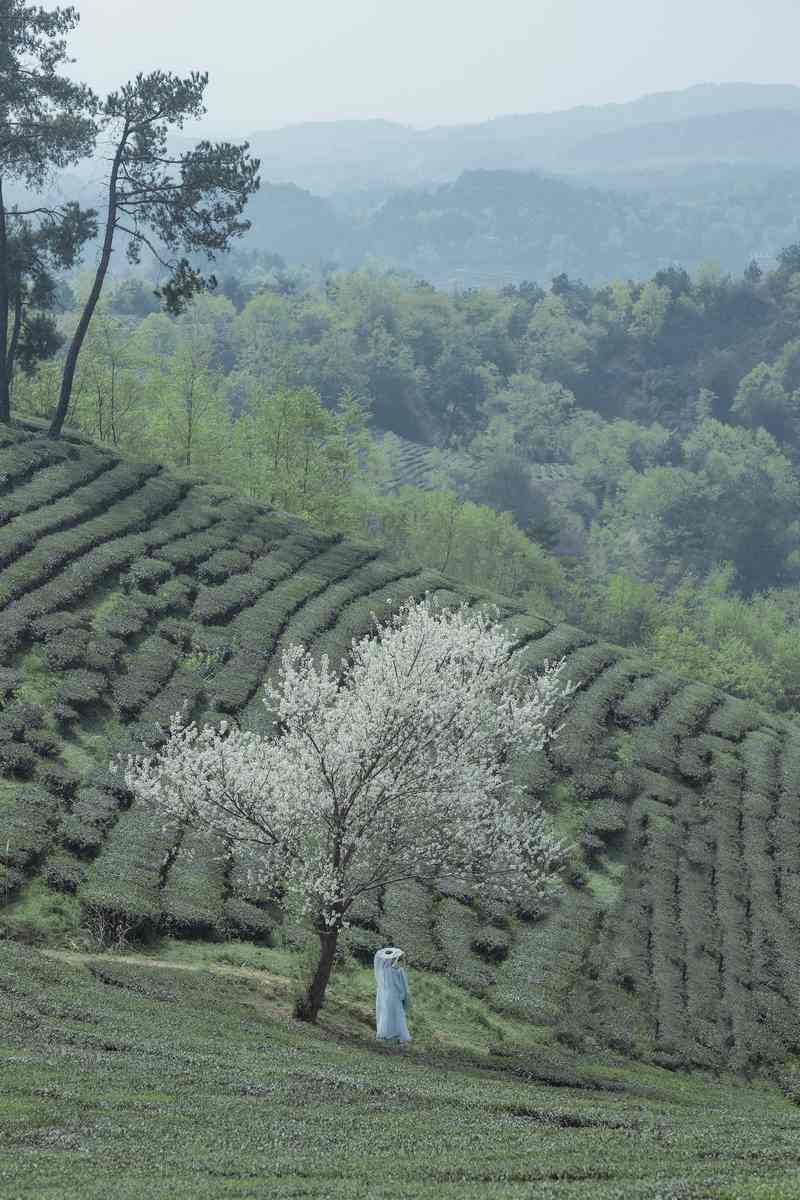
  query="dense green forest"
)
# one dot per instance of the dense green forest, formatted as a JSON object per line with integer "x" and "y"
{"x": 624, "y": 457}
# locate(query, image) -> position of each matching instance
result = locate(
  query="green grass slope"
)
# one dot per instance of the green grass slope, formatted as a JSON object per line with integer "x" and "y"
{"x": 184, "y": 1075}
{"x": 127, "y": 591}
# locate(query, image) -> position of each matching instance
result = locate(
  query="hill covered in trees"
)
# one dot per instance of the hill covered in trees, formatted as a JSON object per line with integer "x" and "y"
{"x": 128, "y": 590}
{"x": 494, "y": 227}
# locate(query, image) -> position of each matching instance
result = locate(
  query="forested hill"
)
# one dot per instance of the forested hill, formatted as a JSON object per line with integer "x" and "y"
{"x": 127, "y": 589}
{"x": 492, "y": 228}
{"x": 496, "y": 227}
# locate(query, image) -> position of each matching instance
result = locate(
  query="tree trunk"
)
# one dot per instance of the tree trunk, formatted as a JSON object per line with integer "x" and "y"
{"x": 71, "y": 362}
{"x": 308, "y": 1006}
{"x": 11, "y": 358}
{"x": 5, "y": 390}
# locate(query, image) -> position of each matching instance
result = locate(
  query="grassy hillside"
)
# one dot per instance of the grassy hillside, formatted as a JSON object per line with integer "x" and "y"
{"x": 127, "y": 591}
{"x": 183, "y": 1075}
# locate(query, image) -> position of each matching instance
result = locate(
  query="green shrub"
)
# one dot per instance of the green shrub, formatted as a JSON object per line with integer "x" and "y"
{"x": 52, "y": 624}
{"x": 146, "y": 574}
{"x": 63, "y": 871}
{"x": 18, "y": 718}
{"x": 222, "y": 564}
{"x": 694, "y": 759}
{"x": 9, "y": 682}
{"x": 103, "y": 652}
{"x": 606, "y": 816}
{"x": 27, "y": 826}
{"x": 558, "y": 642}
{"x": 11, "y": 880}
{"x": 257, "y": 629}
{"x": 147, "y": 669}
{"x": 125, "y": 877}
{"x": 127, "y": 618}
{"x": 66, "y": 649}
{"x": 249, "y": 921}
{"x": 59, "y": 779}
{"x": 213, "y": 529}
{"x": 214, "y": 605}
{"x": 93, "y": 812}
{"x": 355, "y": 619}
{"x": 407, "y": 921}
{"x": 734, "y": 717}
{"x": 192, "y": 896}
{"x": 456, "y": 928}
{"x": 491, "y": 944}
{"x": 64, "y": 568}
{"x": 24, "y": 456}
{"x": 648, "y": 696}
{"x": 366, "y": 911}
{"x": 79, "y": 687}
{"x": 183, "y": 693}
{"x": 178, "y": 631}
{"x": 64, "y": 714}
{"x": 43, "y": 743}
{"x": 17, "y": 759}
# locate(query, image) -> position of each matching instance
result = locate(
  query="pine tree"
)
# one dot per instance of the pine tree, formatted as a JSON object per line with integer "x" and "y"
{"x": 46, "y": 123}
{"x": 173, "y": 206}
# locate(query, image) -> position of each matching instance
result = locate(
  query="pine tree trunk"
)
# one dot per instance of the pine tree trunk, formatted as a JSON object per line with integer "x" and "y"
{"x": 5, "y": 383}
{"x": 71, "y": 361}
{"x": 308, "y": 1006}
{"x": 13, "y": 345}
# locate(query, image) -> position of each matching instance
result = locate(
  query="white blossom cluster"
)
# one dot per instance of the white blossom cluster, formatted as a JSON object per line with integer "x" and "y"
{"x": 393, "y": 767}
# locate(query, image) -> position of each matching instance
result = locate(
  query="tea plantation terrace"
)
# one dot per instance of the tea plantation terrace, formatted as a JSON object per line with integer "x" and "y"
{"x": 128, "y": 591}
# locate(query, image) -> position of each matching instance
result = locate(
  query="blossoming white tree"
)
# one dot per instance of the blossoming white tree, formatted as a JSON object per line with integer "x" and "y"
{"x": 395, "y": 767}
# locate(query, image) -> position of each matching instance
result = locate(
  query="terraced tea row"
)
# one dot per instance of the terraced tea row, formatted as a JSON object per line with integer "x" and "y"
{"x": 413, "y": 464}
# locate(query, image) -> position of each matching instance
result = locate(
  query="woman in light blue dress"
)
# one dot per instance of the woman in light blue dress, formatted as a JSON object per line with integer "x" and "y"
{"x": 393, "y": 999}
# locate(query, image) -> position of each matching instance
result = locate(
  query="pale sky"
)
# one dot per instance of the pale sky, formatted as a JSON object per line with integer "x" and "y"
{"x": 425, "y": 62}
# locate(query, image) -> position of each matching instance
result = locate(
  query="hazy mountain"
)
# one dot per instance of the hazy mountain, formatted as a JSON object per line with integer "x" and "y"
{"x": 351, "y": 156}
{"x": 298, "y": 225}
{"x": 757, "y": 136}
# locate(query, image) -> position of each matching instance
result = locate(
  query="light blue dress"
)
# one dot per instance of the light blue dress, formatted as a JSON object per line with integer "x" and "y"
{"x": 392, "y": 1000}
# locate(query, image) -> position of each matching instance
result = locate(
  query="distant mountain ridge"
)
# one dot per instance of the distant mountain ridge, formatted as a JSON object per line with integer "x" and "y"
{"x": 756, "y": 135}
{"x": 332, "y": 156}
